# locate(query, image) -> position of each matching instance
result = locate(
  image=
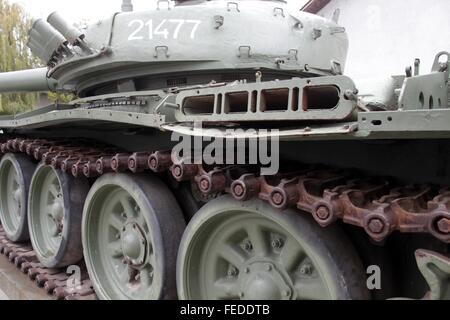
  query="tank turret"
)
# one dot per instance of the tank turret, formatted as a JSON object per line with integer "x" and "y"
{"x": 195, "y": 42}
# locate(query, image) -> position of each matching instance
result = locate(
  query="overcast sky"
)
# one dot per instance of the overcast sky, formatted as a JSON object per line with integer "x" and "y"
{"x": 77, "y": 10}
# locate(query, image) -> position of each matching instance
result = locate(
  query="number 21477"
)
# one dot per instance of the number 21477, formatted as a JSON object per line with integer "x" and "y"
{"x": 167, "y": 28}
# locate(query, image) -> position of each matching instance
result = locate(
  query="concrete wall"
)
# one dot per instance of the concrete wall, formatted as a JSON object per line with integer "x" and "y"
{"x": 387, "y": 35}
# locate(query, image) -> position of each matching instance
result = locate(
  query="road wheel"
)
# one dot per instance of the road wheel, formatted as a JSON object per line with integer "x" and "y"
{"x": 16, "y": 172}
{"x": 55, "y": 209}
{"x": 248, "y": 250}
{"x": 132, "y": 227}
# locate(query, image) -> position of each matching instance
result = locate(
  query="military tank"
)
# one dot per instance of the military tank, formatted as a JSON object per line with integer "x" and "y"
{"x": 354, "y": 178}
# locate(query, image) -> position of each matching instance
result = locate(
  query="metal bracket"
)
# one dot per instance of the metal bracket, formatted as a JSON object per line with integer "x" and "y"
{"x": 249, "y": 51}
{"x": 335, "y": 30}
{"x": 336, "y": 15}
{"x": 298, "y": 25}
{"x": 336, "y": 67}
{"x": 236, "y": 5}
{"x": 277, "y": 11}
{"x": 218, "y": 21}
{"x": 441, "y": 66}
{"x": 160, "y": 48}
{"x": 316, "y": 34}
{"x": 293, "y": 53}
{"x": 159, "y": 1}
{"x": 427, "y": 91}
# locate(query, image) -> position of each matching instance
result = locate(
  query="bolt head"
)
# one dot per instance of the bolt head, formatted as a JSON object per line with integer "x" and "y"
{"x": 153, "y": 163}
{"x": 277, "y": 198}
{"x": 376, "y": 226}
{"x": 444, "y": 225}
{"x": 247, "y": 270}
{"x": 238, "y": 190}
{"x": 177, "y": 171}
{"x": 204, "y": 184}
{"x": 323, "y": 213}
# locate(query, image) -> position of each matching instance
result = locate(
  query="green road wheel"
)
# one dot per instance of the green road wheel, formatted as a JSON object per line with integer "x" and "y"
{"x": 132, "y": 226}
{"x": 248, "y": 250}
{"x": 55, "y": 208}
{"x": 15, "y": 175}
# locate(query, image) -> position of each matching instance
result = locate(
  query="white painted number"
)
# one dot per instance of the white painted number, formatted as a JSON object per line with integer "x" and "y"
{"x": 160, "y": 31}
{"x": 140, "y": 25}
{"x": 150, "y": 29}
{"x": 166, "y": 28}
{"x": 196, "y": 24}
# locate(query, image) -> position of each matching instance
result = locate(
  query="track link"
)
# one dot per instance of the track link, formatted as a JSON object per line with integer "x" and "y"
{"x": 53, "y": 281}
{"x": 378, "y": 205}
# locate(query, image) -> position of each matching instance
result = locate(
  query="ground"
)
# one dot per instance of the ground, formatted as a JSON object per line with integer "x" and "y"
{"x": 3, "y": 295}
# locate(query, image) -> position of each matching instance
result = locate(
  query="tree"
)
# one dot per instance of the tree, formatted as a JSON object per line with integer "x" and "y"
{"x": 15, "y": 55}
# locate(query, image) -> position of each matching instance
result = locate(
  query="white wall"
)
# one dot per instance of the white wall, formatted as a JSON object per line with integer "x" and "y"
{"x": 387, "y": 35}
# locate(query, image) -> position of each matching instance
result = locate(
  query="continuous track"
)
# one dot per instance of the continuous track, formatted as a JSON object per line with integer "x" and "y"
{"x": 378, "y": 205}
{"x": 53, "y": 281}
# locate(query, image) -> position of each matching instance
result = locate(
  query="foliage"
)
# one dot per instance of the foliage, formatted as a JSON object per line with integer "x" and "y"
{"x": 15, "y": 55}
{"x": 60, "y": 97}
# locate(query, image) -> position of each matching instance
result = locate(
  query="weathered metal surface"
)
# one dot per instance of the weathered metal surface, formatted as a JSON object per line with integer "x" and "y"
{"x": 249, "y": 251}
{"x": 346, "y": 130}
{"x": 183, "y": 40}
{"x": 405, "y": 124}
{"x": 86, "y": 116}
{"x": 380, "y": 206}
{"x": 322, "y": 98}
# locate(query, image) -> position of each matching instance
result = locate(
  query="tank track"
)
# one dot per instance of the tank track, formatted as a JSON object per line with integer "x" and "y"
{"x": 53, "y": 281}
{"x": 378, "y": 205}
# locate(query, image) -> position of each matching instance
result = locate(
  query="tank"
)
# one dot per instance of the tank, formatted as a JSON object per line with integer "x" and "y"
{"x": 217, "y": 150}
